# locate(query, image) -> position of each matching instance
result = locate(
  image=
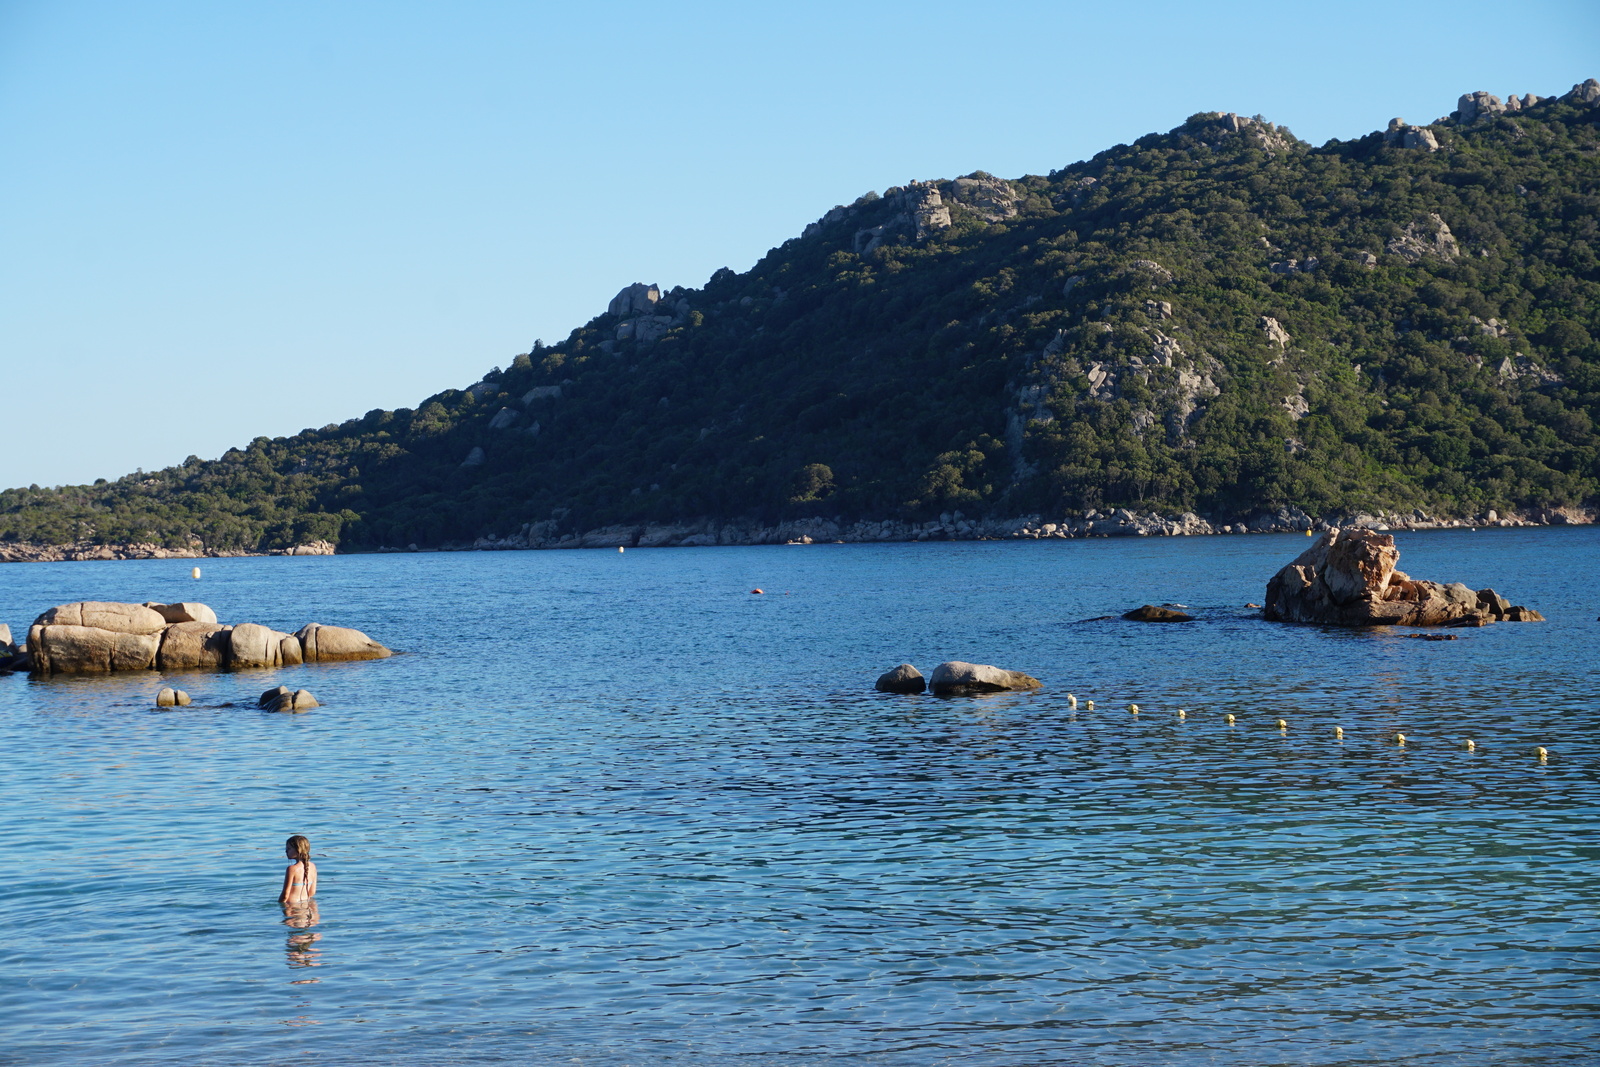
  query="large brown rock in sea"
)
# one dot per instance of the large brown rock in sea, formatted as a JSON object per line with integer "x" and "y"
{"x": 903, "y": 679}
{"x": 194, "y": 645}
{"x": 956, "y": 678}
{"x": 1348, "y": 578}
{"x": 254, "y": 645}
{"x": 69, "y": 649}
{"x": 333, "y": 644}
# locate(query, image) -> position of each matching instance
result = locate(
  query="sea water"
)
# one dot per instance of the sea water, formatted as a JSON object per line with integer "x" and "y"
{"x": 615, "y": 808}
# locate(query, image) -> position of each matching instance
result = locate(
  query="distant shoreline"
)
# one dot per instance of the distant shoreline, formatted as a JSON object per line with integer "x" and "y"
{"x": 950, "y": 527}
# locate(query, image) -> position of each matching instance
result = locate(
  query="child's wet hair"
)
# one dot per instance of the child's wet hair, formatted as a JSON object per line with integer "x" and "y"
{"x": 299, "y": 846}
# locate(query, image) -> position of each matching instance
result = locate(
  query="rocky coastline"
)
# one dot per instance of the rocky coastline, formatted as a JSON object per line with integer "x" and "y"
{"x": 950, "y": 526}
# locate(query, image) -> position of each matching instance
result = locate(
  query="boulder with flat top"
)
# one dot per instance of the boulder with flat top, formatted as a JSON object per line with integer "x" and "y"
{"x": 187, "y": 646}
{"x": 956, "y": 678}
{"x": 254, "y": 645}
{"x": 1348, "y": 578}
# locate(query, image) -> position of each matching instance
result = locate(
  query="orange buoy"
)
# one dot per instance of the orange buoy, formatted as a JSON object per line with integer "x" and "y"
{"x": 756, "y": 590}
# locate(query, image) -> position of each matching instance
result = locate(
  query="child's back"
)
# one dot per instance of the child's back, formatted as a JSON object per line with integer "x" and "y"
{"x": 300, "y": 877}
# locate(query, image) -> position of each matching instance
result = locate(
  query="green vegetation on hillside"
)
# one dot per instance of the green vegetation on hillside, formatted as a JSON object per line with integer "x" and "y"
{"x": 1220, "y": 319}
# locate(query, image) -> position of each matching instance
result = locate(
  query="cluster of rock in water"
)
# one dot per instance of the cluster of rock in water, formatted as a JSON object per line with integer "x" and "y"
{"x": 99, "y": 636}
{"x": 1347, "y": 578}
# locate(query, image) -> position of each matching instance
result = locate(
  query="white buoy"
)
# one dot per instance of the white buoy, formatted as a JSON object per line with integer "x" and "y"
{"x": 1542, "y": 754}
{"x": 1283, "y": 724}
{"x": 1072, "y": 701}
{"x": 621, "y": 549}
{"x": 1090, "y": 705}
{"x": 195, "y": 573}
{"x": 1338, "y": 733}
{"x": 1182, "y": 714}
{"x": 1472, "y": 746}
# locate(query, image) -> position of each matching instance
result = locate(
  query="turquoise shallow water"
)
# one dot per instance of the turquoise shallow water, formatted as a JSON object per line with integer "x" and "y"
{"x": 613, "y": 809}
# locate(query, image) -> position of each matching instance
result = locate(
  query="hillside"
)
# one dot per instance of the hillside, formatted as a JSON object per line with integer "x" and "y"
{"x": 1221, "y": 320}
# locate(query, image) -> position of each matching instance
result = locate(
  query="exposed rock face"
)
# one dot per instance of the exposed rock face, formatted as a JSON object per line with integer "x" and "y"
{"x": 1151, "y": 613}
{"x": 1405, "y": 136}
{"x": 474, "y": 458}
{"x": 1348, "y": 578}
{"x": 1430, "y": 238}
{"x": 1276, "y": 334}
{"x": 990, "y": 198}
{"x": 636, "y": 299}
{"x": 189, "y": 646}
{"x": 1473, "y": 106}
{"x": 1585, "y": 92}
{"x": 335, "y": 644}
{"x": 956, "y": 678}
{"x": 903, "y": 679}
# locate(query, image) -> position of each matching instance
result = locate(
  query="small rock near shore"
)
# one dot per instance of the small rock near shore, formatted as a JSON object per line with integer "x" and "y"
{"x": 172, "y": 698}
{"x": 956, "y": 678}
{"x": 903, "y": 679}
{"x": 1151, "y": 613}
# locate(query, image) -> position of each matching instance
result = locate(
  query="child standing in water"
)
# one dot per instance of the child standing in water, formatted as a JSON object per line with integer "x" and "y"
{"x": 300, "y": 877}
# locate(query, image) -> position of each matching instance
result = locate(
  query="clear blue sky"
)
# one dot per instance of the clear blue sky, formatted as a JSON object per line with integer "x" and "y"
{"x": 222, "y": 220}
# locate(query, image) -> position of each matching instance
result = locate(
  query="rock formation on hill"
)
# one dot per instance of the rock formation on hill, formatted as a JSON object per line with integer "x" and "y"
{"x": 1348, "y": 578}
{"x": 98, "y": 636}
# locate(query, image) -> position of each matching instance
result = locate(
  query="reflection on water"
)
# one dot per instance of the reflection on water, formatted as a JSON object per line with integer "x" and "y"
{"x": 302, "y": 948}
{"x": 614, "y": 809}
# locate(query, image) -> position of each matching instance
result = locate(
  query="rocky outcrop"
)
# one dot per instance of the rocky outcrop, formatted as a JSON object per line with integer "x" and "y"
{"x": 1473, "y": 106}
{"x": 903, "y": 679}
{"x": 97, "y": 636}
{"x": 1276, "y": 334}
{"x": 1348, "y": 578}
{"x": 172, "y": 698}
{"x": 636, "y": 299}
{"x": 1429, "y": 238}
{"x": 991, "y": 199}
{"x": 1151, "y": 613}
{"x": 337, "y": 644}
{"x": 956, "y": 678}
{"x": 1405, "y": 136}
{"x": 1585, "y": 92}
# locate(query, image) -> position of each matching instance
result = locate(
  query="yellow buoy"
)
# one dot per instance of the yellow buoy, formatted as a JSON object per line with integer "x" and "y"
{"x": 195, "y": 573}
{"x": 1090, "y": 705}
{"x": 1282, "y": 724}
{"x": 1229, "y": 719}
{"x": 1182, "y": 714}
{"x": 1399, "y": 739}
{"x": 1134, "y": 708}
{"x": 1308, "y": 533}
{"x": 1072, "y": 701}
{"x": 1338, "y": 733}
{"x": 1542, "y": 754}
{"x": 1472, "y": 745}
{"x": 621, "y": 549}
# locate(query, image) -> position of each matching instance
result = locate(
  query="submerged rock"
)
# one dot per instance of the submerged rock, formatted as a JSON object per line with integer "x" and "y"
{"x": 903, "y": 679}
{"x": 1348, "y": 578}
{"x": 956, "y": 678}
{"x": 1151, "y": 613}
{"x": 282, "y": 698}
{"x": 172, "y": 698}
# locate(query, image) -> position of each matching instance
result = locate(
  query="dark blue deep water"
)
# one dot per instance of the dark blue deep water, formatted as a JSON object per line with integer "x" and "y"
{"x": 614, "y": 809}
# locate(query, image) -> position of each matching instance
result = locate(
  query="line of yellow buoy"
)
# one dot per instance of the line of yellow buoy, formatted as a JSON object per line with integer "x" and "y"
{"x": 1399, "y": 739}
